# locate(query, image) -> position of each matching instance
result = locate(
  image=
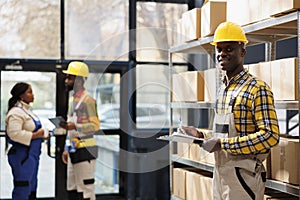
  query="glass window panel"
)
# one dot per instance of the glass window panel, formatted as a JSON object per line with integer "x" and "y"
{"x": 30, "y": 29}
{"x": 106, "y": 90}
{"x": 153, "y": 91}
{"x": 43, "y": 84}
{"x": 97, "y": 30}
{"x": 156, "y": 29}
{"x": 107, "y": 169}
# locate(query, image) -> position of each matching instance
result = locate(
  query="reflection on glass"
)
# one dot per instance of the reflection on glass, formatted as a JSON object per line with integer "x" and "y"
{"x": 30, "y": 29}
{"x": 156, "y": 29}
{"x": 97, "y": 30}
{"x": 107, "y": 173}
{"x": 106, "y": 90}
{"x": 42, "y": 84}
{"x": 153, "y": 92}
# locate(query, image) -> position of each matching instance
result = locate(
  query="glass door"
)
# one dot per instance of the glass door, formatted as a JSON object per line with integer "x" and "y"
{"x": 44, "y": 106}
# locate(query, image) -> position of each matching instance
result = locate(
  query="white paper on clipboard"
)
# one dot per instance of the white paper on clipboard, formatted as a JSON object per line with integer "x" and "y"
{"x": 179, "y": 137}
{"x": 57, "y": 120}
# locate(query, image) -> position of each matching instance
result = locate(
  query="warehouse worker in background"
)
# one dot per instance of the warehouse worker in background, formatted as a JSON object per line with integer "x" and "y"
{"x": 245, "y": 124}
{"x": 81, "y": 150}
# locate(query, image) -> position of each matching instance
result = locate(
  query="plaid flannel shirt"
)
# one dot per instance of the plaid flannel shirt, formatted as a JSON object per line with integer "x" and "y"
{"x": 254, "y": 116}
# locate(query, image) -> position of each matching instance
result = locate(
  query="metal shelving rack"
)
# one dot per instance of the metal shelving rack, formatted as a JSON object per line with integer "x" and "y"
{"x": 268, "y": 32}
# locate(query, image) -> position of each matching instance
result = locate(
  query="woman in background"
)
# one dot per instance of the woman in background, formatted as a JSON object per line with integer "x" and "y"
{"x": 24, "y": 133}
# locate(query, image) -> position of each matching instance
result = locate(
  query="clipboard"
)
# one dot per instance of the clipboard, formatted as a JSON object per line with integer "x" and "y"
{"x": 179, "y": 137}
{"x": 57, "y": 120}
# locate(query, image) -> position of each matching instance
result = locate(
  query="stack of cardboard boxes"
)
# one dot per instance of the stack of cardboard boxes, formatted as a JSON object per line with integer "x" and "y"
{"x": 281, "y": 75}
{"x": 202, "y": 22}
{"x": 194, "y": 86}
{"x": 245, "y": 12}
{"x": 186, "y": 184}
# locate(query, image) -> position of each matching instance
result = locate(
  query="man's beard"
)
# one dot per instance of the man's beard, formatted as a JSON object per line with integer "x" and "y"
{"x": 69, "y": 87}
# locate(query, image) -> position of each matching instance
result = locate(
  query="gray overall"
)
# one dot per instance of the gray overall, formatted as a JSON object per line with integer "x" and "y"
{"x": 236, "y": 177}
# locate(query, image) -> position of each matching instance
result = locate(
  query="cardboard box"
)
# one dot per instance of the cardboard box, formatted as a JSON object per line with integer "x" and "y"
{"x": 256, "y": 11}
{"x": 191, "y": 24}
{"x": 285, "y": 79}
{"x": 183, "y": 150}
{"x": 262, "y": 71}
{"x": 188, "y": 86}
{"x": 280, "y": 7}
{"x": 212, "y": 14}
{"x": 210, "y": 83}
{"x": 285, "y": 161}
{"x": 238, "y": 11}
{"x": 179, "y": 180}
{"x": 179, "y": 36}
{"x": 195, "y": 152}
{"x": 198, "y": 154}
{"x": 199, "y": 186}
{"x": 267, "y": 165}
{"x": 245, "y": 12}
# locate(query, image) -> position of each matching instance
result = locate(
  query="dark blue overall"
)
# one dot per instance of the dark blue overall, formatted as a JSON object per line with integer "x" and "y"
{"x": 24, "y": 162}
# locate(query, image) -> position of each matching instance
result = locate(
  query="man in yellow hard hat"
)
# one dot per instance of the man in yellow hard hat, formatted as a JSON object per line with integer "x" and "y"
{"x": 81, "y": 150}
{"x": 245, "y": 124}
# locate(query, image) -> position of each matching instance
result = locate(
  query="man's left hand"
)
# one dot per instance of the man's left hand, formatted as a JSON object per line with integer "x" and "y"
{"x": 68, "y": 125}
{"x": 211, "y": 144}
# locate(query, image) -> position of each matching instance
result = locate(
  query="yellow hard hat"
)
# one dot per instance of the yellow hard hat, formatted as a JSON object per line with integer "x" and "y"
{"x": 77, "y": 68}
{"x": 229, "y": 31}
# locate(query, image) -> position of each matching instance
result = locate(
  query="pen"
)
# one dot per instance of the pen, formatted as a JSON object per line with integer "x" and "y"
{"x": 180, "y": 121}
{"x": 181, "y": 130}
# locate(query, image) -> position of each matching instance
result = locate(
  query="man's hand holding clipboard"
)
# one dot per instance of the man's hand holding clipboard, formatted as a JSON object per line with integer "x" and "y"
{"x": 59, "y": 122}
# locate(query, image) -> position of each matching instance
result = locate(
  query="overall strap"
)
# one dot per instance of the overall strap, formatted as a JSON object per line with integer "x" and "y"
{"x": 235, "y": 94}
{"x": 37, "y": 123}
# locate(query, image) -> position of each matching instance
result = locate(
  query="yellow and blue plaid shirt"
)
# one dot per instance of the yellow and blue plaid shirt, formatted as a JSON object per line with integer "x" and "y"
{"x": 254, "y": 116}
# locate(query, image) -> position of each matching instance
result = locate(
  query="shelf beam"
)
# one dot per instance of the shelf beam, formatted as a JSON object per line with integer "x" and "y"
{"x": 268, "y": 30}
{"x": 191, "y": 163}
{"x": 285, "y": 21}
{"x": 272, "y": 184}
{"x": 283, "y": 187}
{"x": 287, "y": 105}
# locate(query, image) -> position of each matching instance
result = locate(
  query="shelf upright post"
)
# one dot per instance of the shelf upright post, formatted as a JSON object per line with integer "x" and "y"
{"x": 212, "y": 64}
{"x": 170, "y": 89}
{"x": 171, "y": 121}
{"x": 298, "y": 37}
{"x": 270, "y": 51}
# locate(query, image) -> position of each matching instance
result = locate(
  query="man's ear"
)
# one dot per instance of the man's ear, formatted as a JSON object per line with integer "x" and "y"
{"x": 243, "y": 53}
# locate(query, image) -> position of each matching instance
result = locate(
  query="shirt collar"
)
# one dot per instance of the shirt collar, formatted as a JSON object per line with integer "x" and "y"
{"x": 235, "y": 78}
{"x": 79, "y": 93}
{"x": 23, "y": 105}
